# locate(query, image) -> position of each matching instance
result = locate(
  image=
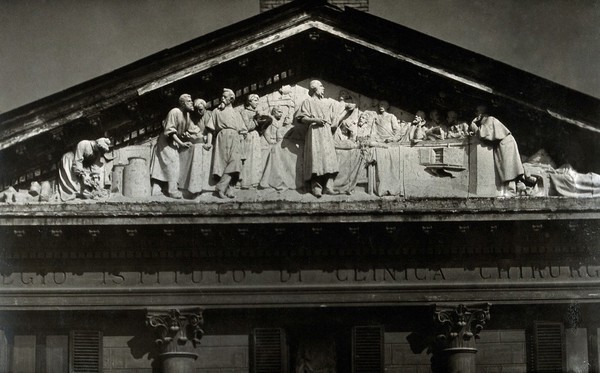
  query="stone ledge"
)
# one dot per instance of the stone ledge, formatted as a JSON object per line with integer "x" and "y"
{"x": 334, "y": 208}
{"x": 328, "y": 204}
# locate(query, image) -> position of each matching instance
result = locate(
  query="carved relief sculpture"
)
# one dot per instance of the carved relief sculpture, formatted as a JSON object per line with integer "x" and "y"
{"x": 194, "y": 175}
{"x": 456, "y": 129}
{"x": 271, "y": 135}
{"x": 228, "y": 125}
{"x": 435, "y": 128}
{"x": 348, "y": 151}
{"x": 284, "y": 165}
{"x": 320, "y": 160}
{"x": 81, "y": 174}
{"x": 388, "y": 164}
{"x": 327, "y": 145}
{"x": 173, "y": 139}
{"x": 417, "y": 131}
{"x": 250, "y": 143}
{"x": 506, "y": 153}
{"x": 386, "y": 127}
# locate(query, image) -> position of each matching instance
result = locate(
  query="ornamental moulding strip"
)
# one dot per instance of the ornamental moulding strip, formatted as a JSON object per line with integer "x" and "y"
{"x": 182, "y": 74}
{"x": 40, "y": 126}
{"x": 428, "y": 285}
{"x": 438, "y": 71}
{"x": 286, "y": 218}
{"x": 227, "y": 56}
{"x": 251, "y": 298}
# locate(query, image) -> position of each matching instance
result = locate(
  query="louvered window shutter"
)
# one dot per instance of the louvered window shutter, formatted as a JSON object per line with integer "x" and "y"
{"x": 86, "y": 351}
{"x": 269, "y": 351}
{"x": 547, "y": 347}
{"x": 367, "y": 349}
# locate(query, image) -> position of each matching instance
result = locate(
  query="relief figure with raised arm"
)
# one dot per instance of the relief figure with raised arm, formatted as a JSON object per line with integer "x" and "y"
{"x": 320, "y": 160}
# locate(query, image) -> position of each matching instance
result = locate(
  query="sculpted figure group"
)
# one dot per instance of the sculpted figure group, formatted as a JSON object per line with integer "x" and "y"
{"x": 316, "y": 143}
{"x": 319, "y": 143}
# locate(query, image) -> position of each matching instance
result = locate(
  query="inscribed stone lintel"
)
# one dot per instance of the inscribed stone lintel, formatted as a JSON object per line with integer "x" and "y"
{"x": 340, "y": 279}
{"x": 355, "y": 290}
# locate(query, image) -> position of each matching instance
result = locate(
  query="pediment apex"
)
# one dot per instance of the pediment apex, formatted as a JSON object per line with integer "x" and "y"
{"x": 299, "y": 40}
{"x": 272, "y": 27}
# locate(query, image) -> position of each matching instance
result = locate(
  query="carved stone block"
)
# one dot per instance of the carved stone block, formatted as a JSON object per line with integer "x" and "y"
{"x": 483, "y": 178}
{"x": 436, "y": 169}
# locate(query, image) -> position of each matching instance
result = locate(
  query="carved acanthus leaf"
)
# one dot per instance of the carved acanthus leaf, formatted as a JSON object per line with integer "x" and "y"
{"x": 176, "y": 326}
{"x": 463, "y": 322}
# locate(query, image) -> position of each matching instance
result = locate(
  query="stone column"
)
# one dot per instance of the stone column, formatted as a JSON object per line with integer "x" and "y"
{"x": 178, "y": 332}
{"x": 457, "y": 328}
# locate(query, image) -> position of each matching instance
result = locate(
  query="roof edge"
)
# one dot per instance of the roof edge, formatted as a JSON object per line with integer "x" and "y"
{"x": 290, "y": 8}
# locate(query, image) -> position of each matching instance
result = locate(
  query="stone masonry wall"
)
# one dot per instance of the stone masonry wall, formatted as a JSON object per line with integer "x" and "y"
{"x": 117, "y": 357}
{"x": 217, "y": 354}
{"x": 502, "y": 351}
{"x": 223, "y": 354}
{"x": 499, "y": 351}
{"x": 399, "y": 357}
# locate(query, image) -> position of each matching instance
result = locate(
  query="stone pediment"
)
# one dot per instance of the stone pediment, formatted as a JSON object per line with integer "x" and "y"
{"x": 363, "y": 54}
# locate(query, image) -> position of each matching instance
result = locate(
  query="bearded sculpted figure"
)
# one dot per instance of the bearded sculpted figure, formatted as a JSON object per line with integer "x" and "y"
{"x": 320, "y": 160}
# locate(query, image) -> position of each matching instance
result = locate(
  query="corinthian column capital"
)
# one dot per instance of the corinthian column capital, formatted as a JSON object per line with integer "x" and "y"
{"x": 459, "y": 325}
{"x": 176, "y": 327}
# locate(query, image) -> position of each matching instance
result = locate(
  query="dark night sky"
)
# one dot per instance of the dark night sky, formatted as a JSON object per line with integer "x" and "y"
{"x": 47, "y": 46}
